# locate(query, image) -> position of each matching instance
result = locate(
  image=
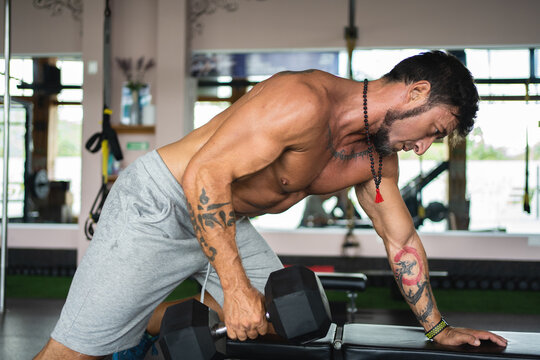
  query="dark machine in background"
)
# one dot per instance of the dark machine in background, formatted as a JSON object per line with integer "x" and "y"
{"x": 343, "y": 214}
{"x": 412, "y": 195}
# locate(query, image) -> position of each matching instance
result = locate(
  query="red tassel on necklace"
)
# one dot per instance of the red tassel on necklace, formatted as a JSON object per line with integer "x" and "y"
{"x": 378, "y": 197}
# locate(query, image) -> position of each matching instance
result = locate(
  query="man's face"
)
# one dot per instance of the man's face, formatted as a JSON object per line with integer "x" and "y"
{"x": 414, "y": 129}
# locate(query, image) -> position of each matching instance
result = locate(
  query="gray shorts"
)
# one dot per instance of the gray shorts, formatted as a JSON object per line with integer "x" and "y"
{"x": 143, "y": 248}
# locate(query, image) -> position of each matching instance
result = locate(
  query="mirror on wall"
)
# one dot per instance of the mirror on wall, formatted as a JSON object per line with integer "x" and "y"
{"x": 45, "y": 139}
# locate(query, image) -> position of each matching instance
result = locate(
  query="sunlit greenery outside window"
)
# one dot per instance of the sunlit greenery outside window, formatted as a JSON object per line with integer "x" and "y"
{"x": 496, "y": 147}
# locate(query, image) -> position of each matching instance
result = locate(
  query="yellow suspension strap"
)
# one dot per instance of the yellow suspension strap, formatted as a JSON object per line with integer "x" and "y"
{"x": 106, "y": 140}
{"x": 105, "y": 152}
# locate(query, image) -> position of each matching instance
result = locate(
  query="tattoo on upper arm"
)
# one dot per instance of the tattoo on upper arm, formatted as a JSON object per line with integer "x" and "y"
{"x": 412, "y": 281}
{"x": 210, "y": 215}
{"x": 341, "y": 155}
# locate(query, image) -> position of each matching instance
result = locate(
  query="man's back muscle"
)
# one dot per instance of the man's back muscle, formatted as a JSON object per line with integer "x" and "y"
{"x": 314, "y": 161}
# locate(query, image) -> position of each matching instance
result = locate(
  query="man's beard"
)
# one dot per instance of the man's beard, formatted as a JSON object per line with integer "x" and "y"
{"x": 381, "y": 140}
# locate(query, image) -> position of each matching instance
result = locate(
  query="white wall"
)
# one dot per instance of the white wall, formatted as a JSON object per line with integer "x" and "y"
{"x": 172, "y": 35}
{"x": 92, "y": 51}
{"x": 37, "y": 31}
{"x": 285, "y": 24}
{"x": 451, "y": 245}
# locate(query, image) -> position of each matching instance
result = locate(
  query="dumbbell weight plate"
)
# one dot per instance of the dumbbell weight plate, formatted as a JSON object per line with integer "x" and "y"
{"x": 186, "y": 329}
{"x": 297, "y": 304}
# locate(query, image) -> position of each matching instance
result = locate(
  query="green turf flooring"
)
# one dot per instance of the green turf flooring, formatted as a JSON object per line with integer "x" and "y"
{"x": 488, "y": 301}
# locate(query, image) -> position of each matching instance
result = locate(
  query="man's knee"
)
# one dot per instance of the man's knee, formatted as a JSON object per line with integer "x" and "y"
{"x": 54, "y": 350}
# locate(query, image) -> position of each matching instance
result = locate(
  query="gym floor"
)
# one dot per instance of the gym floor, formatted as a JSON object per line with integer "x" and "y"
{"x": 27, "y": 323}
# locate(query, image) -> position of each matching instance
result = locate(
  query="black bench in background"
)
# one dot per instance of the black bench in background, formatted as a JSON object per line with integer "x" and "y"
{"x": 351, "y": 283}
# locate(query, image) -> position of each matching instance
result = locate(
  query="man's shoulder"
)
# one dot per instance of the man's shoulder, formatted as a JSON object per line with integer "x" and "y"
{"x": 309, "y": 86}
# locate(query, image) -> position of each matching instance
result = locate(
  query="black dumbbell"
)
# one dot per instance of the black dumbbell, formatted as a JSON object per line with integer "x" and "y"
{"x": 295, "y": 303}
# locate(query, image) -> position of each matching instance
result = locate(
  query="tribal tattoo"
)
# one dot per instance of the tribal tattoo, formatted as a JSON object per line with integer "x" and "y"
{"x": 341, "y": 155}
{"x": 209, "y": 215}
{"x": 412, "y": 281}
{"x": 428, "y": 310}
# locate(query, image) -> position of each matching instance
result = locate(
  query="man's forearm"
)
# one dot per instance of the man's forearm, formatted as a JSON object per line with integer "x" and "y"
{"x": 411, "y": 273}
{"x": 214, "y": 223}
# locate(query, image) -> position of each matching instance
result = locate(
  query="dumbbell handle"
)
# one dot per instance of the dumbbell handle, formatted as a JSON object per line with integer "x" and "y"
{"x": 219, "y": 331}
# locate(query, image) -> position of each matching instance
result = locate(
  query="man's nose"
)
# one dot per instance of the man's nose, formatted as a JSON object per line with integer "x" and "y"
{"x": 421, "y": 146}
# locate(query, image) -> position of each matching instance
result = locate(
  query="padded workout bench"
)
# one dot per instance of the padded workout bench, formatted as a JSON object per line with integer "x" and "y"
{"x": 369, "y": 342}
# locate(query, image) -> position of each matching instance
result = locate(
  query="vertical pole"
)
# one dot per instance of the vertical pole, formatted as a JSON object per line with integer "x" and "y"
{"x": 107, "y": 56}
{"x": 7, "y": 106}
{"x": 538, "y": 191}
{"x": 351, "y": 35}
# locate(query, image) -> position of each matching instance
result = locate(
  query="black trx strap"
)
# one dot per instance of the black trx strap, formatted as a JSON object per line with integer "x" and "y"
{"x": 95, "y": 143}
{"x": 106, "y": 140}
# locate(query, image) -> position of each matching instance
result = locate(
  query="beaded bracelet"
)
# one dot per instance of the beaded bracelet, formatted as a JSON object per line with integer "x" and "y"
{"x": 441, "y": 325}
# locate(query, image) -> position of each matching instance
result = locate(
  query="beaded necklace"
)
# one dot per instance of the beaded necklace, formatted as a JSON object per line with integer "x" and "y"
{"x": 376, "y": 176}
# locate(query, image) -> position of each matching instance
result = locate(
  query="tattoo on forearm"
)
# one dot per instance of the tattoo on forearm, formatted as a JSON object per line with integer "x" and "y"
{"x": 428, "y": 310}
{"x": 341, "y": 155}
{"x": 210, "y": 215}
{"x": 411, "y": 280}
{"x": 411, "y": 296}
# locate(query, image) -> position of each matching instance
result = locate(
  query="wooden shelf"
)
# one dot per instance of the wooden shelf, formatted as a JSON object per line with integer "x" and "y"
{"x": 134, "y": 129}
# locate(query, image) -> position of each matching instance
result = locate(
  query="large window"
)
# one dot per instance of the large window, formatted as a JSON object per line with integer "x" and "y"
{"x": 507, "y": 122}
{"x": 508, "y": 118}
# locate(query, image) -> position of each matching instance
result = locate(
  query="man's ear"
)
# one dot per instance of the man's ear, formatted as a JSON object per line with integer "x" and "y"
{"x": 419, "y": 91}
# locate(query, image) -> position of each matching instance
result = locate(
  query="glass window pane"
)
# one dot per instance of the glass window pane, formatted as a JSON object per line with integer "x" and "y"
{"x": 67, "y": 162}
{"x": 501, "y": 89}
{"x": 206, "y": 110}
{"x": 498, "y": 64}
{"x": 220, "y": 92}
{"x": 287, "y": 220}
{"x": 224, "y": 92}
{"x": 496, "y": 165}
{"x": 534, "y": 89}
{"x": 537, "y": 60}
{"x": 373, "y": 64}
{"x": 16, "y": 159}
{"x": 71, "y": 72}
{"x": 20, "y": 70}
{"x": 75, "y": 95}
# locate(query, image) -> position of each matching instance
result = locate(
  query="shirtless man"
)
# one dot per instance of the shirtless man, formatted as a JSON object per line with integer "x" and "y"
{"x": 293, "y": 135}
